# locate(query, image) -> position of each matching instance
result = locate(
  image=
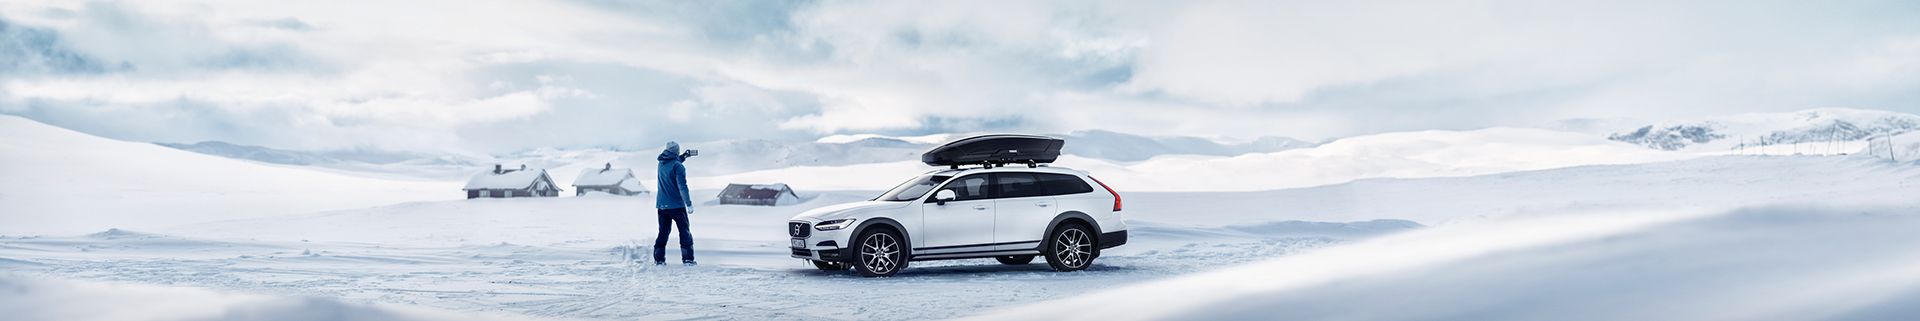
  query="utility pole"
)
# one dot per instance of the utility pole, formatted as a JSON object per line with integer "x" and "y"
{"x": 1870, "y": 146}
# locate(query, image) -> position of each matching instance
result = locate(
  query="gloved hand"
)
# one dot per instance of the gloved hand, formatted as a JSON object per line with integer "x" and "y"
{"x": 689, "y": 210}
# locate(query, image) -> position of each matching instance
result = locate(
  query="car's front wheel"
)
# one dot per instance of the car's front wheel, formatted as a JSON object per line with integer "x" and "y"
{"x": 881, "y": 252}
{"x": 1014, "y": 259}
{"x": 830, "y": 266}
{"x": 1070, "y": 248}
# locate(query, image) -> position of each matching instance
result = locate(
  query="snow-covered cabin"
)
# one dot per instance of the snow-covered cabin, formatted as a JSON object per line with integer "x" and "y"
{"x": 616, "y": 181}
{"x": 758, "y": 194}
{"x": 503, "y": 182}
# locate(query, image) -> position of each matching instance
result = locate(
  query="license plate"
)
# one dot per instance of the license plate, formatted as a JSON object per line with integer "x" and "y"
{"x": 799, "y": 243}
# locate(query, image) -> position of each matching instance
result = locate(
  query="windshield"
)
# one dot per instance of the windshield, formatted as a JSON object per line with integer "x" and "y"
{"x": 913, "y": 189}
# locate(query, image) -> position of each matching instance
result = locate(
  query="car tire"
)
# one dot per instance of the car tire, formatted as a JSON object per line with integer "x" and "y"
{"x": 1071, "y": 248}
{"x": 879, "y": 252}
{"x": 1014, "y": 259}
{"x": 830, "y": 266}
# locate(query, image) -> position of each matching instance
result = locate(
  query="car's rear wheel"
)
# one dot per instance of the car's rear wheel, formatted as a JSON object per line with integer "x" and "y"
{"x": 1014, "y": 259}
{"x": 1070, "y": 248}
{"x": 881, "y": 252}
{"x": 830, "y": 266}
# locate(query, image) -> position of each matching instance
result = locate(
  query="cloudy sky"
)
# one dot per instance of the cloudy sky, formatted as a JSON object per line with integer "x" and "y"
{"x": 494, "y": 76}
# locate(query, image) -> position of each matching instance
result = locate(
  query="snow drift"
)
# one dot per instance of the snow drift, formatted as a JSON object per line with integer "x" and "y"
{"x": 1766, "y": 263}
{"x": 40, "y": 299}
{"x": 65, "y": 182}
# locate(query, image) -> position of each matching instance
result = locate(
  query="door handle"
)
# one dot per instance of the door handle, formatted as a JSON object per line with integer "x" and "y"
{"x": 1043, "y": 204}
{"x": 981, "y": 207}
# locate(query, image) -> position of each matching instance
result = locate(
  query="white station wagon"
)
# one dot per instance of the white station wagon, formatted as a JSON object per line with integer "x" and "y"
{"x": 976, "y": 208}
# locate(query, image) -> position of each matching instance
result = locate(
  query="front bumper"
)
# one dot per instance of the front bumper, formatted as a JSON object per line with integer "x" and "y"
{"x": 830, "y": 246}
{"x": 828, "y": 255}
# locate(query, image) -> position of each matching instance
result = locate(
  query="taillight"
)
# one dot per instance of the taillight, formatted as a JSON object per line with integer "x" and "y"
{"x": 1116, "y": 195}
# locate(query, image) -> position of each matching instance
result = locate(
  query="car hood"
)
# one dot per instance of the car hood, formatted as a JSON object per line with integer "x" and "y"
{"x": 839, "y": 211}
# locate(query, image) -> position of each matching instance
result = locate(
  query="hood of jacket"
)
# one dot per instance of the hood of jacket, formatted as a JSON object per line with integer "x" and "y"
{"x": 671, "y": 154}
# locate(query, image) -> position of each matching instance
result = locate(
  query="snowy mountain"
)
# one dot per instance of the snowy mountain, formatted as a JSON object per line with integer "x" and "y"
{"x": 728, "y": 156}
{"x": 1390, "y": 155}
{"x": 1114, "y": 146}
{"x": 62, "y": 181}
{"x": 746, "y": 155}
{"x": 277, "y": 156}
{"x": 1756, "y": 129}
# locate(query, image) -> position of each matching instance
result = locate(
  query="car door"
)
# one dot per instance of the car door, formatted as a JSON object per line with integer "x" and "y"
{"x": 962, "y": 225}
{"x": 1025, "y": 208}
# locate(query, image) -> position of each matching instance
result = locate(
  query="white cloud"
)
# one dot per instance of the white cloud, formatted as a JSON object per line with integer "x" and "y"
{"x": 657, "y": 70}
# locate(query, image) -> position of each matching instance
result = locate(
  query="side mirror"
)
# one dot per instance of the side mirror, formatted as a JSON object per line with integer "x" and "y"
{"x": 943, "y": 196}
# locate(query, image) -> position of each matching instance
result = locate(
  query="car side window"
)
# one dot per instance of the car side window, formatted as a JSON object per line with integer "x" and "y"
{"x": 1013, "y": 185}
{"x": 970, "y": 187}
{"x": 1061, "y": 184}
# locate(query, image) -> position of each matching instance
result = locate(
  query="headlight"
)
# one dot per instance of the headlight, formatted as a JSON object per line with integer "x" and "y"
{"x": 833, "y": 224}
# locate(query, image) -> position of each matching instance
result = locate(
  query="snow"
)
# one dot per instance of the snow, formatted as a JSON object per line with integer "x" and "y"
{"x": 1396, "y": 155}
{"x": 1500, "y": 223}
{"x": 724, "y": 156}
{"x": 571, "y": 257}
{"x": 64, "y": 182}
{"x": 42, "y": 299}
{"x": 1760, "y": 263}
{"x": 1801, "y": 132}
{"x": 933, "y": 139}
{"x": 506, "y": 179}
{"x": 607, "y": 177}
{"x": 1904, "y": 147}
{"x": 633, "y": 185}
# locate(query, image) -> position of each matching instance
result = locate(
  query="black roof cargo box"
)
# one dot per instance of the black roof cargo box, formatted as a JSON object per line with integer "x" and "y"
{"x": 995, "y": 149}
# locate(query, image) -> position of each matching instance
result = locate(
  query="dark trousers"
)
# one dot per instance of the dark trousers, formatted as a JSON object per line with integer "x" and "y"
{"x": 677, "y": 217}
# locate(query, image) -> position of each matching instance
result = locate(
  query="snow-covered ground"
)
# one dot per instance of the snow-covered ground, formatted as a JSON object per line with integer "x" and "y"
{"x": 569, "y": 257}
{"x": 1485, "y": 224}
{"x": 572, "y": 257}
{"x": 43, "y": 299}
{"x": 65, "y": 182}
{"x": 1760, "y": 263}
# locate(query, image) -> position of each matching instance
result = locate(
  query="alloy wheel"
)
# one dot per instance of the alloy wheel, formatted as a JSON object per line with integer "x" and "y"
{"x": 880, "y": 253}
{"x": 1073, "y": 247}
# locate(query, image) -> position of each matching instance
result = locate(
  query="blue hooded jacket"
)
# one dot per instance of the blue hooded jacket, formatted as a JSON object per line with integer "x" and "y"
{"x": 673, "y": 180}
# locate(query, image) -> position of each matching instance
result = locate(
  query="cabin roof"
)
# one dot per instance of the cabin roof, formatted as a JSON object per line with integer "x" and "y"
{"x": 606, "y": 177}
{"x": 506, "y": 179}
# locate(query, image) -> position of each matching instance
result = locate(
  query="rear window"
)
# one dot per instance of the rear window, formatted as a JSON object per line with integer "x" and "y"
{"x": 1059, "y": 184}
{"x": 1013, "y": 185}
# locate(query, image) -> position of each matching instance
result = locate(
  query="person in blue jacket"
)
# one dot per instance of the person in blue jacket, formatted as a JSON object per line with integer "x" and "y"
{"x": 673, "y": 203}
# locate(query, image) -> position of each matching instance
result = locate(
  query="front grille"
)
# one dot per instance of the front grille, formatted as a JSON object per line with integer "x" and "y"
{"x": 799, "y": 229}
{"x": 802, "y": 252}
